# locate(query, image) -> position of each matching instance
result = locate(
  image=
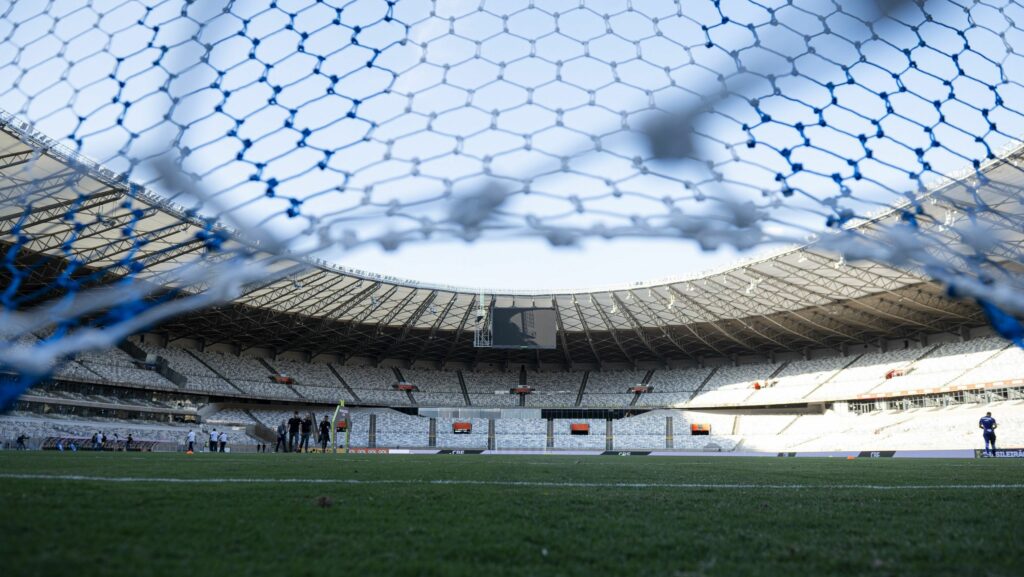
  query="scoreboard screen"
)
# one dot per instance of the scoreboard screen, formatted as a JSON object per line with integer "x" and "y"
{"x": 523, "y": 328}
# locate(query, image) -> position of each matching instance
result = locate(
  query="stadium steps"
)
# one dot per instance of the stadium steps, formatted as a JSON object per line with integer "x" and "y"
{"x": 767, "y": 380}
{"x": 778, "y": 370}
{"x": 834, "y": 375}
{"x": 703, "y": 384}
{"x": 266, "y": 364}
{"x": 583, "y": 387}
{"x": 788, "y": 425}
{"x": 248, "y": 413}
{"x": 462, "y": 387}
{"x": 133, "y": 350}
{"x": 215, "y": 371}
{"x": 343, "y": 383}
{"x": 895, "y": 424}
{"x": 995, "y": 354}
{"x": 401, "y": 379}
{"x": 978, "y": 364}
{"x": 910, "y": 366}
{"x": 258, "y": 430}
{"x": 136, "y": 352}
{"x": 86, "y": 367}
{"x": 209, "y": 409}
{"x": 927, "y": 353}
{"x": 646, "y": 380}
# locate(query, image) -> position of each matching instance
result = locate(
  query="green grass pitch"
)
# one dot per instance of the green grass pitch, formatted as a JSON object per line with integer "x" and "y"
{"x": 230, "y": 515}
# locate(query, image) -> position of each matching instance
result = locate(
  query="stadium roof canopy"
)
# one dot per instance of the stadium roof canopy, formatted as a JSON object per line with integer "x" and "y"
{"x": 795, "y": 299}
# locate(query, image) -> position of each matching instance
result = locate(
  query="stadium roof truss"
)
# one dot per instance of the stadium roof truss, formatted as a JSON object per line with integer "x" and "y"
{"x": 796, "y": 299}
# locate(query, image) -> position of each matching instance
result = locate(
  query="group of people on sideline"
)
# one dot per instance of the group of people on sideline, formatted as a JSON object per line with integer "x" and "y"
{"x": 99, "y": 441}
{"x": 218, "y": 441}
{"x": 293, "y": 435}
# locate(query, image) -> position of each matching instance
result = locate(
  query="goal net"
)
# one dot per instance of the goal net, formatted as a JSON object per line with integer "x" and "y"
{"x": 288, "y": 132}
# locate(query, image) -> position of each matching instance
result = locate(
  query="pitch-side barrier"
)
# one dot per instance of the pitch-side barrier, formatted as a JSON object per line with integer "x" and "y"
{"x": 933, "y": 454}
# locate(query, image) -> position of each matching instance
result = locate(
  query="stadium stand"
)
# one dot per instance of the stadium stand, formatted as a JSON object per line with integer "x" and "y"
{"x": 246, "y": 375}
{"x": 323, "y": 394}
{"x": 359, "y": 436}
{"x": 1004, "y": 365}
{"x": 115, "y": 366}
{"x": 731, "y": 385}
{"x": 373, "y": 385}
{"x": 39, "y": 428}
{"x": 88, "y": 394}
{"x": 73, "y": 371}
{"x": 489, "y": 389}
{"x": 553, "y": 389}
{"x": 646, "y": 431}
{"x": 396, "y": 430}
{"x": 199, "y": 377}
{"x": 231, "y": 417}
{"x": 865, "y": 373}
{"x": 477, "y": 439}
{"x": 520, "y": 433}
{"x": 564, "y": 439}
{"x": 915, "y": 429}
{"x": 311, "y": 374}
{"x": 798, "y": 379}
{"x": 826, "y": 378}
{"x": 435, "y": 388}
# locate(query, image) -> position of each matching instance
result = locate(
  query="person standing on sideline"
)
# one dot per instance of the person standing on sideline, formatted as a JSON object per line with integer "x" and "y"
{"x": 282, "y": 438}
{"x": 307, "y": 430}
{"x": 223, "y": 439}
{"x": 213, "y": 441}
{"x": 988, "y": 431}
{"x": 191, "y": 440}
{"x": 128, "y": 443}
{"x": 325, "y": 433}
{"x": 293, "y": 431}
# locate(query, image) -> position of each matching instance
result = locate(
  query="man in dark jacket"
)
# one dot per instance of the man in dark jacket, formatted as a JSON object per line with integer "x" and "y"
{"x": 307, "y": 430}
{"x": 282, "y": 438}
{"x": 293, "y": 431}
{"x": 325, "y": 433}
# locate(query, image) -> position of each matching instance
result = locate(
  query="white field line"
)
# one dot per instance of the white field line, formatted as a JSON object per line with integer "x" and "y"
{"x": 545, "y": 484}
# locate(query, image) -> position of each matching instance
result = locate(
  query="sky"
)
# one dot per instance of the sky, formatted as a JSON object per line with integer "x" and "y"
{"x": 364, "y": 124}
{"x": 535, "y": 265}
